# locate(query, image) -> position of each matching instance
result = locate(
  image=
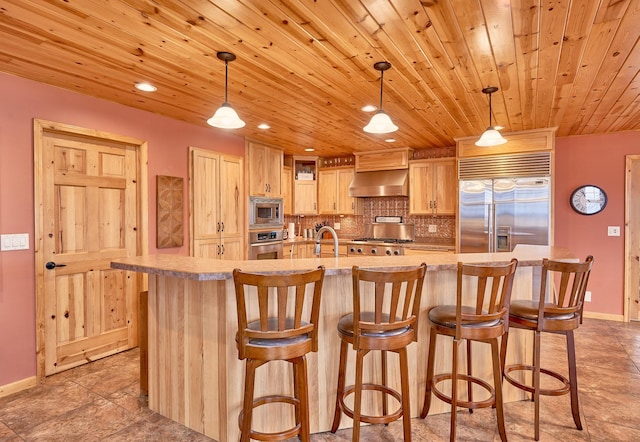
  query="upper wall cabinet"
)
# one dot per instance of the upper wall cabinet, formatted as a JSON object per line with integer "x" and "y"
{"x": 287, "y": 189}
{"x": 432, "y": 187}
{"x": 333, "y": 194}
{"x": 383, "y": 159}
{"x": 305, "y": 186}
{"x": 265, "y": 170}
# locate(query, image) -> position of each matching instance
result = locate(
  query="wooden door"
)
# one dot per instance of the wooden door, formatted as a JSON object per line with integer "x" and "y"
{"x": 287, "y": 190}
{"x": 347, "y": 205}
{"x": 420, "y": 180}
{"x": 87, "y": 214}
{"x": 274, "y": 172}
{"x": 305, "y": 197}
{"x": 327, "y": 197}
{"x": 445, "y": 187}
{"x": 632, "y": 239}
{"x": 257, "y": 155}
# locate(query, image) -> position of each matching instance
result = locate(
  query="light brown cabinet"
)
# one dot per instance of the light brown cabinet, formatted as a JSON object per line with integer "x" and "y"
{"x": 217, "y": 205}
{"x": 432, "y": 187}
{"x": 287, "y": 189}
{"x": 265, "y": 165}
{"x": 305, "y": 185}
{"x": 333, "y": 195}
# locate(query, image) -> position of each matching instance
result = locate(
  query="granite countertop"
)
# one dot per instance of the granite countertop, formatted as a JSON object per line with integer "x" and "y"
{"x": 203, "y": 269}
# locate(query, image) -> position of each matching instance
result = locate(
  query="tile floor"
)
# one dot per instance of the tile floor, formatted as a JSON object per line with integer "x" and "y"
{"x": 100, "y": 401}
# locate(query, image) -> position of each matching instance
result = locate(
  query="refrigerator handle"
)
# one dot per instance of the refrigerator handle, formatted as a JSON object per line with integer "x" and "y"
{"x": 492, "y": 227}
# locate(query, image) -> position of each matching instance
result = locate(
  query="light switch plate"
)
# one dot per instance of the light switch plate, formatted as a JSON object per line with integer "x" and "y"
{"x": 433, "y": 228}
{"x": 336, "y": 226}
{"x": 613, "y": 230}
{"x": 15, "y": 241}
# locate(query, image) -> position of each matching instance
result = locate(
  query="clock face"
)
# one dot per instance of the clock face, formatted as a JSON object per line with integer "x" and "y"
{"x": 588, "y": 200}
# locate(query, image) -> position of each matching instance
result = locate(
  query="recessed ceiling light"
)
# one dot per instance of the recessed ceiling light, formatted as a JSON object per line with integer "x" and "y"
{"x": 368, "y": 108}
{"x": 309, "y": 149}
{"x": 264, "y": 126}
{"x": 146, "y": 87}
{"x": 390, "y": 140}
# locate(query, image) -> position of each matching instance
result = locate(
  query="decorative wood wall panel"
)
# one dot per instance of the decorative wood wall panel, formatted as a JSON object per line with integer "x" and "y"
{"x": 170, "y": 199}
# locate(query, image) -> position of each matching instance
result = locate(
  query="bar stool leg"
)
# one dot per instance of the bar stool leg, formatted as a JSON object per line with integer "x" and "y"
{"x": 342, "y": 373}
{"x": 383, "y": 356}
{"x": 573, "y": 380}
{"x": 503, "y": 352}
{"x": 357, "y": 400}
{"x": 469, "y": 383}
{"x": 406, "y": 403}
{"x": 536, "y": 385}
{"x": 430, "y": 368}
{"x": 302, "y": 394}
{"x": 247, "y": 404}
{"x": 454, "y": 389}
{"x": 497, "y": 381}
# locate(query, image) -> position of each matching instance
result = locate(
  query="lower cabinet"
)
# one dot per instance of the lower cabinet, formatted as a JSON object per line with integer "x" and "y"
{"x": 231, "y": 248}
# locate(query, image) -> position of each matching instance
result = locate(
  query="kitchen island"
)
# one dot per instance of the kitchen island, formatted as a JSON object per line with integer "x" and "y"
{"x": 196, "y": 378}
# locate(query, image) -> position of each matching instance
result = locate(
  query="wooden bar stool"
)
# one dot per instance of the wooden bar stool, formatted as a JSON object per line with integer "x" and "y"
{"x": 480, "y": 315}
{"x": 385, "y": 317}
{"x": 283, "y": 329}
{"x": 560, "y": 313}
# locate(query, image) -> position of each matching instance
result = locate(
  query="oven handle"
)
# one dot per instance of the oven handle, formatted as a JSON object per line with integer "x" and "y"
{"x": 270, "y": 243}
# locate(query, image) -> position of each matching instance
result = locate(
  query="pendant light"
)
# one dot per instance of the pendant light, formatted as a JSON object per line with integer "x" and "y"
{"x": 381, "y": 123}
{"x": 225, "y": 117}
{"x": 490, "y": 137}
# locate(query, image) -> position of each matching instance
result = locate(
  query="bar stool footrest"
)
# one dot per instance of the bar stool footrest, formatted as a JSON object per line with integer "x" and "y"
{"x": 528, "y": 388}
{"x": 373, "y": 419}
{"x": 281, "y": 435}
{"x": 489, "y": 402}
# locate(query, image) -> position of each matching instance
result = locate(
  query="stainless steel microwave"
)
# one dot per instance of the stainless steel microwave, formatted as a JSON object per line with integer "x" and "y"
{"x": 265, "y": 212}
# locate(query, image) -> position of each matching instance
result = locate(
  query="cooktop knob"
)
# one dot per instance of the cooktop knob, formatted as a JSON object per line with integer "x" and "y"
{"x": 388, "y": 252}
{"x": 396, "y": 252}
{"x": 359, "y": 250}
{"x": 374, "y": 251}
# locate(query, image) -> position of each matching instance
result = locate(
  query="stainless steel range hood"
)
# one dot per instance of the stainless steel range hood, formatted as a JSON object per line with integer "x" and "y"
{"x": 380, "y": 183}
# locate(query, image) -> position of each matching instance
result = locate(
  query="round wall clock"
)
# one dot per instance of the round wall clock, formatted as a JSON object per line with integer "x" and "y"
{"x": 588, "y": 199}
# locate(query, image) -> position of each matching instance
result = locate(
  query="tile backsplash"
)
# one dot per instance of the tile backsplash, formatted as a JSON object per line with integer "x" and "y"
{"x": 352, "y": 225}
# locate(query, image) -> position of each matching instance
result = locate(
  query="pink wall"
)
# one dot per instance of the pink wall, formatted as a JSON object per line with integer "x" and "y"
{"x": 579, "y": 160}
{"x": 21, "y": 102}
{"x": 600, "y": 160}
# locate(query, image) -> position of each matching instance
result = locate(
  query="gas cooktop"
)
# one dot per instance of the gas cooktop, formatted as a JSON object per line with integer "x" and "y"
{"x": 384, "y": 240}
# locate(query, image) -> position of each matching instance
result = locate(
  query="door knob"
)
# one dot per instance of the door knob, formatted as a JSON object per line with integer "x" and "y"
{"x": 52, "y": 265}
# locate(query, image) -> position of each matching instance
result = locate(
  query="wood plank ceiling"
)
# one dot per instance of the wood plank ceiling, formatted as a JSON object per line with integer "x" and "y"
{"x": 306, "y": 67}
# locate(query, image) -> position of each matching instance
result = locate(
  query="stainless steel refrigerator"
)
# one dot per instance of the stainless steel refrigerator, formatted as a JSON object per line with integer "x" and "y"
{"x": 497, "y": 214}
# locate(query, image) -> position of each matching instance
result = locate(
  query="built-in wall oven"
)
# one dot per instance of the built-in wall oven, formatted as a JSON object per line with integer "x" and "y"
{"x": 266, "y": 213}
{"x": 265, "y": 244}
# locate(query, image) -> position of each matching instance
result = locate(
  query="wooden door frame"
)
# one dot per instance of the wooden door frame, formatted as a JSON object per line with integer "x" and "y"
{"x": 40, "y": 127}
{"x": 631, "y": 241}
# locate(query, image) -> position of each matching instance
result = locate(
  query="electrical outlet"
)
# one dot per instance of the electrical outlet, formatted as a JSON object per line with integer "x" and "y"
{"x": 587, "y": 296}
{"x": 613, "y": 230}
{"x": 433, "y": 228}
{"x": 336, "y": 226}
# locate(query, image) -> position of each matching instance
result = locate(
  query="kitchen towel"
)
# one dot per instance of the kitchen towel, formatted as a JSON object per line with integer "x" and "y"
{"x": 292, "y": 230}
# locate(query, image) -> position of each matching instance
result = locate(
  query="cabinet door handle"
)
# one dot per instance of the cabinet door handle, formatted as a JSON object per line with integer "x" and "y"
{"x": 222, "y": 249}
{"x": 218, "y": 229}
{"x": 218, "y": 249}
{"x": 223, "y": 227}
{"x": 334, "y": 206}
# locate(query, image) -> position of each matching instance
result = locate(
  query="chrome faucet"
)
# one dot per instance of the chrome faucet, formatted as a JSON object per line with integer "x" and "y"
{"x": 319, "y": 235}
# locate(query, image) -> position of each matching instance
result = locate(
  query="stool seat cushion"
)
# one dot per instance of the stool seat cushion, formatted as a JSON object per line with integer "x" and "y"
{"x": 528, "y": 309}
{"x": 445, "y": 315}
{"x": 345, "y": 325}
{"x": 272, "y": 325}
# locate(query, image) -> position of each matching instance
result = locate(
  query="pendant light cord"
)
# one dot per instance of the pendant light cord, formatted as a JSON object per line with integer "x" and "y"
{"x": 381, "y": 81}
{"x": 226, "y": 79}
{"x": 490, "y": 110}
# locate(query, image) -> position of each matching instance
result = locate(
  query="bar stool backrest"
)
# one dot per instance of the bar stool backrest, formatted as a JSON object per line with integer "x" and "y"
{"x": 386, "y": 303}
{"x": 567, "y": 283}
{"x": 277, "y": 309}
{"x": 488, "y": 304}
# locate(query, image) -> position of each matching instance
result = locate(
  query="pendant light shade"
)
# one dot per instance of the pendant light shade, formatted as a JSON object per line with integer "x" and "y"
{"x": 225, "y": 117}
{"x": 381, "y": 122}
{"x": 490, "y": 137}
